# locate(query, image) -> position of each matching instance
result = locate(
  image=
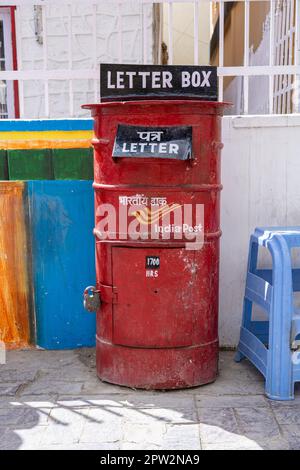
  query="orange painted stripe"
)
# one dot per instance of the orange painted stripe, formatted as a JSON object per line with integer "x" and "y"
{"x": 14, "y": 285}
{"x": 44, "y": 144}
{"x": 45, "y": 139}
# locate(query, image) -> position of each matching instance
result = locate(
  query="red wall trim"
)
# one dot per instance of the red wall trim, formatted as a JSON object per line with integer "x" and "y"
{"x": 15, "y": 60}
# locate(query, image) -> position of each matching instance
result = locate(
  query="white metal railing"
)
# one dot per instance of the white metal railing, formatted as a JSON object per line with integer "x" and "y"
{"x": 282, "y": 69}
{"x": 284, "y": 30}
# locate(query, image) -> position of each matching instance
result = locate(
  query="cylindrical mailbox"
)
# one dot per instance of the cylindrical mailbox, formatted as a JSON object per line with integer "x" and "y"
{"x": 157, "y": 325}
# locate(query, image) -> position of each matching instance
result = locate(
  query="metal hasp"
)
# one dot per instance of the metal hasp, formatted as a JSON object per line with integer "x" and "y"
{"x": 158, "y": 323}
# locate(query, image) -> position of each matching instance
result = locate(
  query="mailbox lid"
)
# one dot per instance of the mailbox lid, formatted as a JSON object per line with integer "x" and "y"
{"x": 187, "y": 106}
{"x": 153, "y": 309}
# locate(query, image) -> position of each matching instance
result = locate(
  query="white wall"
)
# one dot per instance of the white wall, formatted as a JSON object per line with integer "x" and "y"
{"x": 30, "y": 51}
{"x": 261, "y": 180}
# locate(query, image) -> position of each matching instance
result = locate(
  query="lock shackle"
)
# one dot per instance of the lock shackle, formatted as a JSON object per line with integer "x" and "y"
{"x": 88, "y": 289}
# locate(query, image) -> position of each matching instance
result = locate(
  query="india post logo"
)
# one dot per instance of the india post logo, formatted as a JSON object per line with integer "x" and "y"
{"x": 147, "y": 216}
{"x": 142, "y": 217}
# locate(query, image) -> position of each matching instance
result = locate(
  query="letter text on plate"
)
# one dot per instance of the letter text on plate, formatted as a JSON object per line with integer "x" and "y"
{"x": 153, "y": 142}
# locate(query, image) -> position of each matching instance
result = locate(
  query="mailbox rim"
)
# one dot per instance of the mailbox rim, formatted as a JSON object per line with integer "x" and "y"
{"x": 216, "y": 105}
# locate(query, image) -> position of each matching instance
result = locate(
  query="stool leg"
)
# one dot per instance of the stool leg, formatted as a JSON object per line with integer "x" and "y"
{"x": 238, "y": 357}
{"x": 279, "y": 377}
{"x": 246, "y": 321}
{"x": 247, "y": 306}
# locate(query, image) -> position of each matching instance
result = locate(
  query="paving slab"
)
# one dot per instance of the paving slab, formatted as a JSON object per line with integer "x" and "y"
{"x": 291, "y": 433}
{"x": 54, "y": 400}
{"x": 179, "y": 437}
{"x": 231, "y": 401}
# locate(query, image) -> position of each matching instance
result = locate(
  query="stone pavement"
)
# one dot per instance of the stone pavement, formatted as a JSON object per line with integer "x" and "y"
{"x": 53, "y": 400}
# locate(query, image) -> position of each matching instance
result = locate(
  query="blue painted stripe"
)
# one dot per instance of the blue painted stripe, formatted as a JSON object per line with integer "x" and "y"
{"x": 19, "y": 125}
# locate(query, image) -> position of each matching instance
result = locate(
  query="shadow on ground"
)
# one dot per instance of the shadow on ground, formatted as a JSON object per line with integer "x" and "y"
{"x": 53, "y": 400}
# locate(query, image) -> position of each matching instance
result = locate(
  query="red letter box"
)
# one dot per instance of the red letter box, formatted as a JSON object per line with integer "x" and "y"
{"x": 157, "y": 202}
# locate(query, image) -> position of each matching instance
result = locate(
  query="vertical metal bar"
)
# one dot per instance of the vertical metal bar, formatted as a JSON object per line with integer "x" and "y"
{"x": 70, "y": 62}
{"x": 246, "y": 56}
{"x": 160, "y": 35}
{"x": 120, "y": 35}
{"x": 221, "y": 47}
{"x": 9, "y": 108}
{"x": 20, "y": 60}
{"x": 278, "y": 51}
{"x": 281, "y": 59}
{"x": 45, "y": 59}
{"x": 296, "y": 97}
{"x": 170, "y": 32}
{"x": 145, "y": 34}
{"x": 285, "y": 56}
{"x": 290, "y": 54}
{"x": 275, "y": 62}
{"x": 95, "y": 65}
{"x": 271, "y": 56}
{"x": 196, "y": 32}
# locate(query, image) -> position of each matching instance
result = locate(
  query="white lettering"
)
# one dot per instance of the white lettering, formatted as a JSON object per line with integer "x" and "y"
{"x": 109, "y": 84}
{"x": 144, "y": 76}
{"x": 155, "y": 79}
{"x": 196, "y": 79}
{"x": 156, "y": 135}
{"x": 120, "y": 79}
{"x": 130, "y": 77}
{"x": 142, "y": 146}
{"x": 167, "y": 80}
{"x": 152, "y": 146}
{"x": 206, "y": 76}
{"x": 162, "y": 148}
{"x": 174, "y": 148}
{"x": 185, "y": 79}
{"x": 144, "y": 135}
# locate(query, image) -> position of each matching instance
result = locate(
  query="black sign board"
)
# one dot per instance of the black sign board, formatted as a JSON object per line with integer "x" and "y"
{"x": 155, "y": 142}
{"x": 131, "y": 82}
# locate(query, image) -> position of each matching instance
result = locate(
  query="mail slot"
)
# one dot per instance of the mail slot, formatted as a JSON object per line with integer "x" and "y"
{"x": 157, "y": 230}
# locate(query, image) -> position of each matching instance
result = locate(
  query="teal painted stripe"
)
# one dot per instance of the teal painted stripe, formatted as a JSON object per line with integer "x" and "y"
{"x": 19, "y": 125}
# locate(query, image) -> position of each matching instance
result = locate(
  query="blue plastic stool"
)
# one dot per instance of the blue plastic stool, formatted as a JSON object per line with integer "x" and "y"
{"x": 271, "y": 345}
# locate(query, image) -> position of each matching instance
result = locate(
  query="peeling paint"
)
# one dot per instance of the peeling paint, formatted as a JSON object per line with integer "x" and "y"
{"x": 14, "y": 290}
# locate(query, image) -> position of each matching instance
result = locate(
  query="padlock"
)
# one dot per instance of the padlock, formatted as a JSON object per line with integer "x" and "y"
{"x": 91, "y": 299}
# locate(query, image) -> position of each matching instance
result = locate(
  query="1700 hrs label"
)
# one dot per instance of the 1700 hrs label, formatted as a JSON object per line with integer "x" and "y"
{"x": 152, "y": 262}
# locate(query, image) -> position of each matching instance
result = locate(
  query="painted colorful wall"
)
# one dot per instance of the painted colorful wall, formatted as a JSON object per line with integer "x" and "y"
{"x": 14, "y": 263}
{"x": 46, "y": 149}
{"x": 46, "y": 240}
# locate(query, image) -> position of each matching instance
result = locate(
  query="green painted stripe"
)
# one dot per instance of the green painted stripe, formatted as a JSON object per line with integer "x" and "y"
{"x": 3, "y": 165}
{"x": 72, "y": 164}
{"x": 33, "y": 164}
{"x": 46, "y": 164}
